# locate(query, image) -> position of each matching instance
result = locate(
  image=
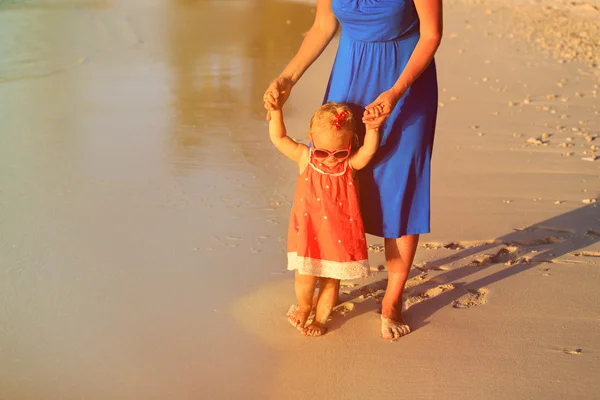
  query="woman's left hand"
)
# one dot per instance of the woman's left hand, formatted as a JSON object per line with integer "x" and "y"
{"x": 378, "y": 111}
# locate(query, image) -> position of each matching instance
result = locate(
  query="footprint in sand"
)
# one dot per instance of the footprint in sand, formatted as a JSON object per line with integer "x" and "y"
{"x": 344, "y": 308}
{"x": 455, "y": 246}
{"x": 424, "y": 266}
{"x": 476, "y": 297}
{"x": 376, "y": 248}
{"x": 586, "y": 254}
{"x": 538, "y": 242}
{"x": 449, "y": 246}
{"x": 348, "y": 288}
{"x": 506, "y": 255}
{"x": 376, "y": 268}
{"x": 416, "y": 280}
{"x": 428, "y": 294}
{"x": 436, "y": 291}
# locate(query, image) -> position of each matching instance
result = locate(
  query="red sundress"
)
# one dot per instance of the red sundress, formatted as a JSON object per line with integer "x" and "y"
{"x": 326, "y": 236}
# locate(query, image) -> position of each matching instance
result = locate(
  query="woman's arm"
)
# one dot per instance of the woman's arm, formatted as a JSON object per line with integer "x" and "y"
{"x": 318, "y": 37}
{"x": 430, "y": 16}
{"x": 365, "y": 153}
{"x": 282, "y": 142}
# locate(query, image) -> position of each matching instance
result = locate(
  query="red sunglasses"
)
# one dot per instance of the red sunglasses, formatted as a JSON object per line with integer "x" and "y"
{"x": 324, "y": 154}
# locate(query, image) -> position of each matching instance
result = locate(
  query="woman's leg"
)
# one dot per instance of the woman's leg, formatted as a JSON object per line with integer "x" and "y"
{"x": 329, "y": 291}
{"x": 399, "y": 255}
{"x": 305, "y": 290}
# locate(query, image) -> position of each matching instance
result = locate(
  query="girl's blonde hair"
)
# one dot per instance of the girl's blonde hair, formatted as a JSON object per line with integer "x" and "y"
{"x": 335, "y": 118}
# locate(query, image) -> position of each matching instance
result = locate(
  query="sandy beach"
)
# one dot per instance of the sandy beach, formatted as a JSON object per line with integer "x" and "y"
{"x": 143, "y": 210}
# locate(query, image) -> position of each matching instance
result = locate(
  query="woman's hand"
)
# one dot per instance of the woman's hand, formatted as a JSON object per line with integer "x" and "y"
{"x": 378, "y": 111}
{"x": 277, "y": 94}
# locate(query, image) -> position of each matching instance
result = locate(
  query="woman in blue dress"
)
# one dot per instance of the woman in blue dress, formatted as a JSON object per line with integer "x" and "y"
{"x": 384, "y": 68}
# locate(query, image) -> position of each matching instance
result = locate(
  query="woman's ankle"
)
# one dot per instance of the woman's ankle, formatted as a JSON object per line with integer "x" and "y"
{"x": 391, "y": 307}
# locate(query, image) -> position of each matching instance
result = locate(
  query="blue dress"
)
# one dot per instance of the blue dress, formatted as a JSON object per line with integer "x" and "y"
{"x": 377, "y": 39}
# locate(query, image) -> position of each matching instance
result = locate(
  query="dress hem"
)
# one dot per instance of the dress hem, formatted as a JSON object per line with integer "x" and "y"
{"x": 407, "y": 233}
{"x": 328, "y": 269}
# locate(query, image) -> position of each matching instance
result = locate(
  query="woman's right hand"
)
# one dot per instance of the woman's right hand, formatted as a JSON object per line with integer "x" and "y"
{"x": 277, "y": 94}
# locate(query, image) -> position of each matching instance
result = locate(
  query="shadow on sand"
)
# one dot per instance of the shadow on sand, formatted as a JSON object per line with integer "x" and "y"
{"x": 517, "y": 251}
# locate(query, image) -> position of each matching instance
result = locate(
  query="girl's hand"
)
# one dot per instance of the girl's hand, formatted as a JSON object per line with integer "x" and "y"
{"x": 378, "y": 111}
{"x": 277, "y": 94}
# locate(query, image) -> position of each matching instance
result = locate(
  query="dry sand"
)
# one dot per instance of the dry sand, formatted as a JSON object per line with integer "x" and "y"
{"x": 143, "y": 212}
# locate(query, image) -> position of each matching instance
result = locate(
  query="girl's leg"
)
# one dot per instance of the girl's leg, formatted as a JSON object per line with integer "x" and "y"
{"x": 329, "y": 291}
{"x": 399, "y": 255}
{"x": 305, "y": 289}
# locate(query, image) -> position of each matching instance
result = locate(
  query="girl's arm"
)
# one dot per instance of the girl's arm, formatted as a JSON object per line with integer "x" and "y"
{"x": 282, "y": 142}
{"x": 318, "y": 37}
{"x": 365, "y": 153}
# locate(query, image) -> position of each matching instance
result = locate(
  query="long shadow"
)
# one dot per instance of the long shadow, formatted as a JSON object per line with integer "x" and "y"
{"x": 519, "y": 251}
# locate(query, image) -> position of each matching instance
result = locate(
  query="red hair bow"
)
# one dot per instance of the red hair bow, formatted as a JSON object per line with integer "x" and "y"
{"x": 339, "y": 118}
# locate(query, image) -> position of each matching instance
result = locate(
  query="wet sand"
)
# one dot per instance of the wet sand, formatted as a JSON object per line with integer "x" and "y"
{"x": 143, "y": 214}
{"x": 134, "y": 159}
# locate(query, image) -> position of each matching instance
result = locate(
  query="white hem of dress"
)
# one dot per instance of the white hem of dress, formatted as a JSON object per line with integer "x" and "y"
{"x": 328, "y": 269}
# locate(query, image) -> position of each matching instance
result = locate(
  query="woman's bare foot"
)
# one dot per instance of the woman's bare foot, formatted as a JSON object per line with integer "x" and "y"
{"x": 314, "y": 329}
{"x": 399, "y": 256}
{"x": 394, "y": 328}
{"x": 298, "y": 317}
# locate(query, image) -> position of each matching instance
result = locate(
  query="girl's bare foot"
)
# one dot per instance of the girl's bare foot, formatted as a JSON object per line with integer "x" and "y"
{"x": 394, "y": 328}
{"x": 298, "y": 317}
{"x": 314, "y": 329}
{"x": 328, "y": 297}
{"x": 304, "y": 286}
{"x": 291, "y": 314}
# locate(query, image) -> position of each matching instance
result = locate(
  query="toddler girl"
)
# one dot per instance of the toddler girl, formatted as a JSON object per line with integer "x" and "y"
{"x": 326, "y": 237}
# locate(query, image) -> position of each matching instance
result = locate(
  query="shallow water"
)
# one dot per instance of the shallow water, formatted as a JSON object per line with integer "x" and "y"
{"x": 136, "y": 199}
